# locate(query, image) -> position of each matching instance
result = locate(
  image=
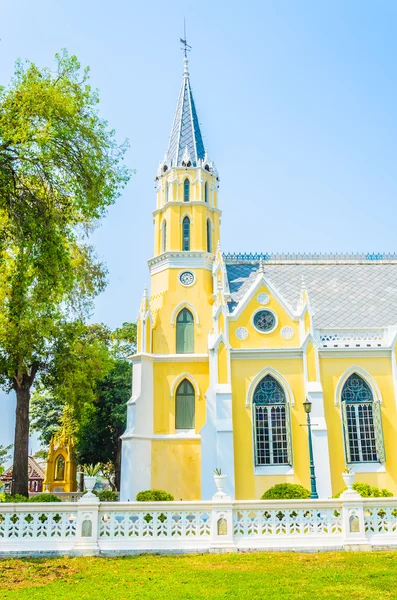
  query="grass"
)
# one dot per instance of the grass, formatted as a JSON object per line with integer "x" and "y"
{"x": 289, "y": 576}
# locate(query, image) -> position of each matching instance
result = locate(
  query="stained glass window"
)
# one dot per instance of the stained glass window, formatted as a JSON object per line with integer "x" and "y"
{"x": 185, "y": 406}
{"x": 184, "y": 332}
{"x": 271, "y": 424}
{"x": 264, "y": 320}
{"x": 362, "y": 422}
{"x": 186, "y": 234}
{"x": 186, "y": 190}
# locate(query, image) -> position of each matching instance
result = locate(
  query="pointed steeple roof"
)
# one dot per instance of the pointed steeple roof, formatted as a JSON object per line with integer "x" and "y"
{"x": 186, "y": 142}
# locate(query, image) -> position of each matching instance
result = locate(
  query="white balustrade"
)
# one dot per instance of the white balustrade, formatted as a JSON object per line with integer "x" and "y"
{"x": 90, "y": 528}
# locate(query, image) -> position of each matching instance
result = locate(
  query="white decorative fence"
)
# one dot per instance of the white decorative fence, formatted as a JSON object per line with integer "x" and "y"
{"x": 92, "y": 528}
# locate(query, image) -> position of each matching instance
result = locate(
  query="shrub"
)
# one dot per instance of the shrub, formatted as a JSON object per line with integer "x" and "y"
{"x": 16, "y": 498}
{"x": 367, "y": 491}
{"x": 154, "y": 496}
{"x": 107, "y": 496}
{"x": 45, "y": 498}
{"x": 286, "y": 491}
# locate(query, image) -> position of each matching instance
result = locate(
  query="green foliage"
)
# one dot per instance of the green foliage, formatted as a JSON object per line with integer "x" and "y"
{"x": 367, "y": 491}
{"x": 286, "y": 491}
{"x": 5, "y": 455}
{"x": 60, "y": 168}
{"x": 45, "y": 498}
{"x": 92, "y": 470}
{"x": 107, "y": 496}
{"x": 154, "y": 496}
{"x": 15, "y": 498}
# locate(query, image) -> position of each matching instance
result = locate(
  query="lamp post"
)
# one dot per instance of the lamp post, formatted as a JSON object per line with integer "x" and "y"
{"x": 308, "y": 409}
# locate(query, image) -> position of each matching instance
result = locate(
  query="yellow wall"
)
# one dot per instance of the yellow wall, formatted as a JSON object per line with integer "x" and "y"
{"x": 248, "y": 485}
{"x": 167, "y": 294}
{"x": 380, "y": 369}
{"x": 176, "y": 468}
{"x": 256, "y": 339}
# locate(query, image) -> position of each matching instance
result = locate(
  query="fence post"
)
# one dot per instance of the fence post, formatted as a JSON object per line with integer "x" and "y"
{"x": 87, "y": 525}
{"x": 353, "y": 523}
{"x": 222, "y": 539}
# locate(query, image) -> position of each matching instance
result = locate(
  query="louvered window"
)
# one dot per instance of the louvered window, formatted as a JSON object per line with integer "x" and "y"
{"x": 186, "y": 234}
{"x": 184, "y": 332}
{"x": 185, "y": 406}
{"x": 186, "y": 190}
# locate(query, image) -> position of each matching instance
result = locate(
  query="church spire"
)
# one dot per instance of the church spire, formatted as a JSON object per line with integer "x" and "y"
{"x": 186, "y": 142}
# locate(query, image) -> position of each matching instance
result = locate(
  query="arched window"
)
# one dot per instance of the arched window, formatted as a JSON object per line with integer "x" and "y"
{"x": 60, "y": 468}
{"x": 164, "y": 237}
{"x": 362, "y": 422}
{"x": 166, "y": 192}
{"x": 206, "y": 192}
{"x": 209, "y": 236}
{"x": 186, "y": 190}
{"x": 185, "y": 406}
{"x": 186, "y": 234}
{"x": 184, "y": 332}
{"x": 271, "y": 424}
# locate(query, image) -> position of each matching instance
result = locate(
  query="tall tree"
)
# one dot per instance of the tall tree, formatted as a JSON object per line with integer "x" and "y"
{"x": 60, "y": 168}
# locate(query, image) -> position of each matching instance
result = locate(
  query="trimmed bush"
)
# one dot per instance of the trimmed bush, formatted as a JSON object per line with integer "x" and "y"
{"x": 286, "y": 491}
{"x": 367, "y": 491}
{"x": 45, "y": 498}
{"x": 107, "y": 496}
{"x": 154, "y": 496}
{"x": 16, "y": 498}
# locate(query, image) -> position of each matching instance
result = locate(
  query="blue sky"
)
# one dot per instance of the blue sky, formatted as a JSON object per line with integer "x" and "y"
{"x": 297, "y": 102}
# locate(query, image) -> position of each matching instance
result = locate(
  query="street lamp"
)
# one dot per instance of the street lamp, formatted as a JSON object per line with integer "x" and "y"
{"x": 307, "y": 405}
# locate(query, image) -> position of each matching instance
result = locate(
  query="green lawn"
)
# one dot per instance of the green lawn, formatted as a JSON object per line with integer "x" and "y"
{"x": 264, "y": 575}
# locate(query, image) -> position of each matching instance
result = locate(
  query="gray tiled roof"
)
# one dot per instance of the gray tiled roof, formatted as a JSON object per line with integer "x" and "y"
{"x": 185, "y": 131}
{"x": 342, "y": 294}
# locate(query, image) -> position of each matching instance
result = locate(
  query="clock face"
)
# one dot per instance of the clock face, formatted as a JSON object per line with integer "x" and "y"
{"x": 186, "y": 278}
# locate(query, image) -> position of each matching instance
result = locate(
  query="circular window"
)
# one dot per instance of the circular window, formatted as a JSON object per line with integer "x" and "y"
{"x": 264, "y": 321}
{"x": 186, "y": 278}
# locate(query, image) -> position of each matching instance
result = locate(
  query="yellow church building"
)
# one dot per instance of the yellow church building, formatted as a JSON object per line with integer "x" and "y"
{"x": 230, "y": 347}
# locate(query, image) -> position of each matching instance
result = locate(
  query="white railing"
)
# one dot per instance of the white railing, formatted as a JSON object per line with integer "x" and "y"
{"x": 92, "y": 528}
{"x": 353, "y": 338}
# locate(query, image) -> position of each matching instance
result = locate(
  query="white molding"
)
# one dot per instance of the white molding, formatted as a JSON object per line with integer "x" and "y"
{"x": 210, "y": 208}
{"x": 376, "y": 394}
{"x": 274, "y": 470}
{"x": 265, "y": 353}
{"x": 355, "y": 352}
{"x": 184, "y": 435}
{"x": 178, "y": 309}
{"x": 141, "y": 357}
{"x": 375, "y": 467}
{"x": 188, "y": 215}
{"x": 252, "y": 290}
{"x": 280, "y": 380}
{"x": 179, "y": 379}
{"x": 181, "y": 260}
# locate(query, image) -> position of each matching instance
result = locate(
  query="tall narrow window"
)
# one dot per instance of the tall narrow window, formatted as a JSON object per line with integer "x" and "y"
{"x": 186, "y": 234}
{"x": 164, "y": 237}
{"x": 184, "y": 332}
{"x": 209, "y": 236}
{"x": 206, "y": 192}
{"x": 185, "y": 406}
{"x": 271, "y": 424}
{"x": 362, "y": 422}
{"x": 166, "y": 192}
{"x": 186, "y": 190}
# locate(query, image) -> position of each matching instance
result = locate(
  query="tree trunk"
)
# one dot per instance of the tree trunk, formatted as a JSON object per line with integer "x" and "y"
{"x": 20, "y": 483}
{"x": 117, "y": 464}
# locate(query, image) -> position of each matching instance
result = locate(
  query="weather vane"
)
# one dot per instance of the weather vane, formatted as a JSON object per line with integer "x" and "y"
{"x": 186, "y": 48}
